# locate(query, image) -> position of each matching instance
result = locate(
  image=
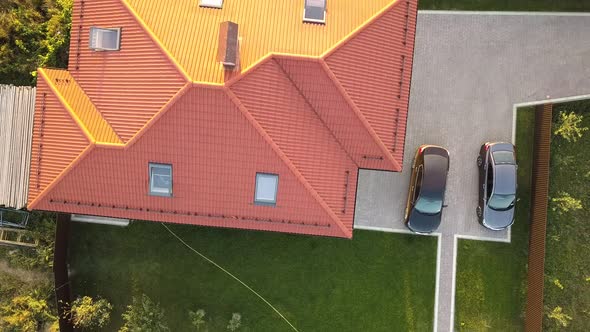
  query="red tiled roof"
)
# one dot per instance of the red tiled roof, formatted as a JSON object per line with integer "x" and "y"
{"x": 313, "y": 120}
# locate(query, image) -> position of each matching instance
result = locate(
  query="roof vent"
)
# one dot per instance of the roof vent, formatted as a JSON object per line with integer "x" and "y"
{"x": 228, "y": 44}
{"x": 315, "y": 11}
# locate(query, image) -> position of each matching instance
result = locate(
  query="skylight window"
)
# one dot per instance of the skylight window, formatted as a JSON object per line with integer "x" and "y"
{"x": 315, "y": 11}
{"x": 102, "y": 39}
{"x": 211, "y": 3}
{"x": 160, "y": 179}
{"x": 266, "y": 189}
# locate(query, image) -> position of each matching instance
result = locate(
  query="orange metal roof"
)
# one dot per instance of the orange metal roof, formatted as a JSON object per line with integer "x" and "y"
{"x": 75, "y": 100}
{"x": 311, "y": 103}
{"x": 190, "y": 32}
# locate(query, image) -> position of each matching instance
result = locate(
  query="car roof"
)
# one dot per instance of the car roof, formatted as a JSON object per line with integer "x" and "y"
{"x": 505, "y": 179}
{"x": 436, "y": 164}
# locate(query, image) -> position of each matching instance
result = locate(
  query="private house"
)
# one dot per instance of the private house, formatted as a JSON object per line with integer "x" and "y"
{"x": 251, "y": 114}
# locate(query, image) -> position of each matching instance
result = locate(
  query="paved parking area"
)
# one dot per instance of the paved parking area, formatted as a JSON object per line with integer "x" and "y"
{"x": 470, "y": 69}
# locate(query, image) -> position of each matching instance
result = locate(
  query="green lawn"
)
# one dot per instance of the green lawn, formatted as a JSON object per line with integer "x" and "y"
{"x": 568, "y": 234}
{"x": 491, "y": 277}
{"x": 508, "y": 5}
{"x": 375, "y": 282}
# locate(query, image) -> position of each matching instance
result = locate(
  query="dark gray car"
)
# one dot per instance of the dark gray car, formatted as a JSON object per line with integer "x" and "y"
{"x": 427, "y": 189}
{"x": 497, "y": 185}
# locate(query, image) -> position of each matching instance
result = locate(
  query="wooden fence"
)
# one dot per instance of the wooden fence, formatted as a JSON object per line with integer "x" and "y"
{"x": 538, "y": 223}
{"x": 17, "y": 107}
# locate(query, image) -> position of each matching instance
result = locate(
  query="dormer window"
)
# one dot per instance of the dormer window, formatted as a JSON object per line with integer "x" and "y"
{"x": 211, "y": 3}
{"x": 103, "y": 39}
{"x": 315, "y": 11}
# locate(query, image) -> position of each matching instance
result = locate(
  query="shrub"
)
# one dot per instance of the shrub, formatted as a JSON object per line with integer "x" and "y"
{"x": 235, "y": 322}
{"x": 89, "y": 314}
{"x": 568, "y": 126}
{"x": 561, "y": 318}
{"x": 565, "y": 203}
{"x": 197, "y": 319}
{"x": 25, "y": 313}
{"x": 143, "y": 315}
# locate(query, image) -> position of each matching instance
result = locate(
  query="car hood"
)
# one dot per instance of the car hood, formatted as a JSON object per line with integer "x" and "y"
{"x": 423, "y": 223}
{"x": 498, "y": 220}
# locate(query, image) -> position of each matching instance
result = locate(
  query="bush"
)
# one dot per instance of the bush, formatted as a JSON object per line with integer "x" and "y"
{"x": 568, "y": 126}
{"x": 198, "y": 319}
{"x": 90, "y": 314}
{"x": 33, "y": 34}
{"x": 235, "y": 322}
{"x": 25, "y": 313}
{"x": 565, "y": 203}
{"x": 561, "y": 318}
{"x": 143, "y": 315}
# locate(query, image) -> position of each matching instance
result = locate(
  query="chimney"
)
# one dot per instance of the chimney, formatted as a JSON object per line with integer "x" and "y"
{"x": 228, "y": 44}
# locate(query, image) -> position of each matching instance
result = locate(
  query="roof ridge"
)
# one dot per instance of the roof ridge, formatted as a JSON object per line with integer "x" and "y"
{"x": 84, "y": 127}
{"x": 313, "y": 108}
{"x": 187, "y": 86}
{"x": 360, "y": 115}
{"x": 156, "y": 40}
{"x": 360, "y": 29}
{"x": 287, "y": 161}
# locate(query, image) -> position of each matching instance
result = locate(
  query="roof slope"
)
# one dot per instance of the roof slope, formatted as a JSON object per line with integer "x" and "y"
{"x": 213, "y": 183}
{"x": 375, "y": 67}
{"x": 190, "y": 32}
{"x": 129, "y": 86}
{"x": 73, "y": 98}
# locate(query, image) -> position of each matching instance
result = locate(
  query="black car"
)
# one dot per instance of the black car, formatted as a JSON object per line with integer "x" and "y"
{"x": 427, "y": 189}
{"x": 497, "y": 185}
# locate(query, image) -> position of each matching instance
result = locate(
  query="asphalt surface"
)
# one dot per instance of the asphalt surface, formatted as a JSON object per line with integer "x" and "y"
{"x": 469, "y": 71}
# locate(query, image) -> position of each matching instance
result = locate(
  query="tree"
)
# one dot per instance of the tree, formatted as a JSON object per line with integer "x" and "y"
{"x": 198, "y": 319}
{"x": 559, "y": 316}
{"x": 235, "y": 322}
{"x": 568, "y": 126}
{"x": 143, "y": 315}
{"x": 25, "y": 313}
{"x": 566, "y": 203}
{"x": 33, "y": 33}
{"x": 90, "y": 314}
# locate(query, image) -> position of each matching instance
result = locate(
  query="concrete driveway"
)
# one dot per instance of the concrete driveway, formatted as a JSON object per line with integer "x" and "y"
{"x": 470, "y": 69}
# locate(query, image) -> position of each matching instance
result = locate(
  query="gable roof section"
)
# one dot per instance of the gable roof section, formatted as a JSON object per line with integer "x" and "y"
{"x": 213, "y": 183}
{"x": 374, "y": 67}
{"x": 266, "y": 26}
{"x": 57, "y": 140}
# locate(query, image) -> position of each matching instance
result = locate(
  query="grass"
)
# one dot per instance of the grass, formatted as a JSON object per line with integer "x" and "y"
{"x": 567, "y": 257}
{"x": 507, "y": 5}
{"x": 377, "y": 281}
{"x": 491, "y": 277}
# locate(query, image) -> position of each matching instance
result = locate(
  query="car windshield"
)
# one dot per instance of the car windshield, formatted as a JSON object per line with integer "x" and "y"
{"x": 504, "y": 157}
{"x": 427, "y": 205}
{"x": 501, "y": 202}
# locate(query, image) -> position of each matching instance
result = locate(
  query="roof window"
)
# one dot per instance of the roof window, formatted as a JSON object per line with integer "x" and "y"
{"x": 160, "y": 179}
{"x": 266, "y": 189}
{"x": 211, "y": 3}
{"x": 315, "y": 11}
{"x": 102, "y": 39}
